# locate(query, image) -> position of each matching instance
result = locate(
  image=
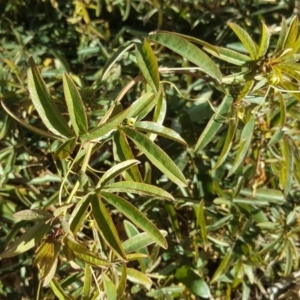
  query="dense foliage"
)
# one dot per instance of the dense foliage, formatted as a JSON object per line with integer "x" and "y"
{"x": 149, "y": 149}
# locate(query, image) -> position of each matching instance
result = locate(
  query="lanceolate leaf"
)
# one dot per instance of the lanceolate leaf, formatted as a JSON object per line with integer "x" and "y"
{"x": 135, "y": 216}
{"x": 30, "y": 127}
{"x": 230, "y": 56}
{"x": 246, "y": 137}
{"x": 65, "y": 149}
{"x": 44, "y": 104}
{"x": 233, "y": 123}
{"x": 138, "y": 188}
{"x": 122, "y": 281}
{"x": 156, "y": 155}
{"x": 105, "y": 128}
{"x": 147, "y": 63}
{"x": 109, "y": 288}
{"x": 282, "y": 36}
{"x": 292, "y": 34}
{"x": 75, "y": 105}
{"x": 264, "y": 42}
{"x": 106, "y": 227}
{"x": 86, "y": 255}
{"x": 122, "y": 152}
{"x": 214, "y": 123}
{"x": 116, "y": 170}
{"x": 32, "y": 215}
{"x": 117, "y": 55}
{"x": 141, "y": 104}
{"x": 246, "y": 40}
{"x": 138, "y": 277}
{"x": 26, "y": 241}
{"x": 153, "y": 127}
{"x": 59, "y": 291}
{"x": 189, "y": 51}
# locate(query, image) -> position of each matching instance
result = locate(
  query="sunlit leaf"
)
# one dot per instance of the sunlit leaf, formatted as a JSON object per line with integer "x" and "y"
{"x": 156, "y": 155}
{"x": 75, "y": 106}
{"x": 189, "y": 51}
{"x": 147, "y": 63}
{"x": 44, "y": 104}
{"x": 264, "y": 41}
{"x": 109, "y": 288}
{"x": 135, "y": 216}
{"x": 246, "y": 40}
{"x": 138, "y": 188}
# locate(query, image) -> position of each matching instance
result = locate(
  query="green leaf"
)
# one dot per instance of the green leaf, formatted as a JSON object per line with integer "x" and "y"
{"x": 122, "y": 152}
{"x": 106, "y": 227}
{"x": 142, "y": 106}
{"x": 287, "y": 165}
{"x": 269, "y": 195}
{"x": 245, "y": 142}
{"x": 139, "y": 241}
{"x": 201, "y": 222}
{"x": 189, "y": 51}
{"x": 156, "y": 155}
{"x": 246, "y": 40}
{"x": 173, "y": 219}
{"x": 109, "y": 288}
{"x": 214, "y": 123}
{"x": 75, "y": 106}
{"x": 87, "y": 256}
{"x": 30, "y": 127}
{"x": 79, "y": 213}
{"x": 116, "y": 170}
{"x": 282, "y": 36}
{"x": 291, "y": 35}
{"x": 65, "y": 149}
{"x": 105, "y": 128}
{"x": 230, "y": 56}
{"x": 87, "y": 282}
{"x": 147, "y": 63}
{"x": 135, "y": 216}
{"x": 122, "y": 282}
{"x": 59, "y": 291}
{"x": 26, "y": 241}
{"x": 193, "y": 282}
{"x": 137, "y": 277}
{"x": 32, "y": 215}
{"x": 264, "y": 42}
{"x": 233, "y": 124}
{"x": 138, "y": 188}
{"x": 44, "y": 104}
{"x": 223, "y": 266}
{"x": 153, "y": 127}
{"x": 116, "y": 56}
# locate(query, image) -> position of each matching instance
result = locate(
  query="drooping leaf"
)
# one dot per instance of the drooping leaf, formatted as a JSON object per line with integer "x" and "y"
{"x": 189, "y": 51}
{"x": 246, "y": 40}
{"x": 106, "y": 227}
{"x": 138, "y": 188}
{"x": 214, "y": 123}
{"x": 75, "y": 106}
{"x": 147, "y": 63}
{"x": 156, "y": 155}
{"x": 44, "y": 104}
{"x": 135, "y": 216}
